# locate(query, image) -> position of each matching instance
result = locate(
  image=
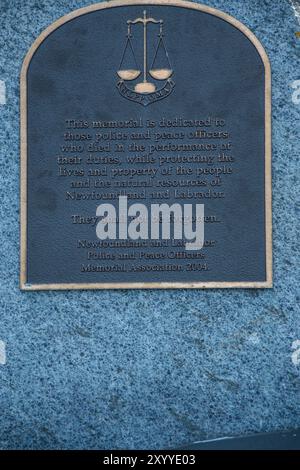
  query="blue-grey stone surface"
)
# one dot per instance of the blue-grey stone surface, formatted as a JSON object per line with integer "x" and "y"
{"x": 150, "y": 369}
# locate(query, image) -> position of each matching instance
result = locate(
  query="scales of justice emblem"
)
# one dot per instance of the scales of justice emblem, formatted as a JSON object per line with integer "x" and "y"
{"x": 144, "y": 92}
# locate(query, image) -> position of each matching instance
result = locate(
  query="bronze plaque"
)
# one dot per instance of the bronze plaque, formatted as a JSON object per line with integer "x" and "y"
{"x": 146, "y": 151}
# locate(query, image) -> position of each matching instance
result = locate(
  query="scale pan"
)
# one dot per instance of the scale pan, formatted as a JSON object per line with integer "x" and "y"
{"x": 130, "y": 74}
{"x": 161, "y": 74}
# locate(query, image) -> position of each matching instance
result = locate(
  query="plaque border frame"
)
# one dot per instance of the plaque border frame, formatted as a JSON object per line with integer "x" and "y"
{"x": 268, "y": 283}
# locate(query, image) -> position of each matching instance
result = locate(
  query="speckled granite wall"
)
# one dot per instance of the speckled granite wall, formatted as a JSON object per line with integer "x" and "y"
{"x": 150, "y": 369}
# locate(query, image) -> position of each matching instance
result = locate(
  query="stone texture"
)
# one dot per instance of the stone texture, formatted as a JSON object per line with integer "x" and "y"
{"x": 150, "y": 369}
